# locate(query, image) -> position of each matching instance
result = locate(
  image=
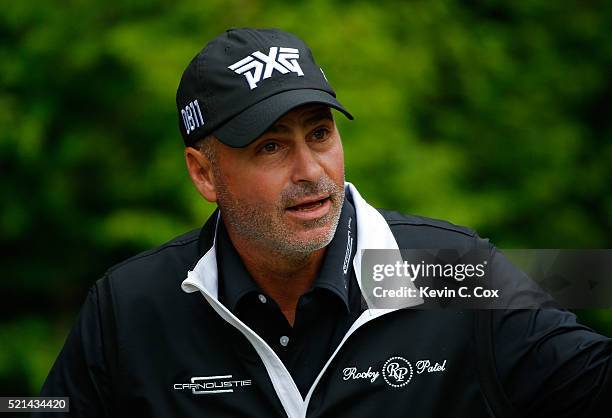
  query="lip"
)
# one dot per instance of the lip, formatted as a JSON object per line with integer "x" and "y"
{"x": 309, "y": 200}
{"x": 313, "y": 213}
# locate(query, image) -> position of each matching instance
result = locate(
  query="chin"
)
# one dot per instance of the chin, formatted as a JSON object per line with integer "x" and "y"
{"x": 312, "y": 235}
{"x": 313, "y": 239}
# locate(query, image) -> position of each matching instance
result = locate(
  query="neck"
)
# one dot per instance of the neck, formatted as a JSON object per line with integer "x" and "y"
{"x": 284, "y": 277}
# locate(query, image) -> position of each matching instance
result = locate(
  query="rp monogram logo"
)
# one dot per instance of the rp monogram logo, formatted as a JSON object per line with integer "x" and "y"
{"x": 283, "y": 60}
{"x": 397, "y": 372}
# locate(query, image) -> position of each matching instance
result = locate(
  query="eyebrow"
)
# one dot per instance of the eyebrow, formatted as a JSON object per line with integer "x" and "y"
{"x": 322, "y": 114}
{"x": 317, "y": 116}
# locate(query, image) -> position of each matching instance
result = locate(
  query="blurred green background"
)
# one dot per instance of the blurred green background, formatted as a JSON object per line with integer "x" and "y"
{"x": 493, "y": 116}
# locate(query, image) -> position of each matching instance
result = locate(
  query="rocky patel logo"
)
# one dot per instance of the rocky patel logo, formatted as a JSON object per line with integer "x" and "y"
{"x": 397, "y": 372}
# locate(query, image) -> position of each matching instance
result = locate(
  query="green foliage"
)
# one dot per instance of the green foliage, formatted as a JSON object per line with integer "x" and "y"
{"x": 492, "y": 116}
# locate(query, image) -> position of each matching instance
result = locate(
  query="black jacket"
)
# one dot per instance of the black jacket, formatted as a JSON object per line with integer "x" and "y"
{"x": 152, "y": 340}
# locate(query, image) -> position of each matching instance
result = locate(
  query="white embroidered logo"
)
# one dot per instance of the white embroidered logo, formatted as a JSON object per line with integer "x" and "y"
{"x": 397, "y": 372}
{"x": 347, "y": 254}
{"x": 283, "y": 60}
{"x": 191, "y": 118}
{"x": 202, "y": 385}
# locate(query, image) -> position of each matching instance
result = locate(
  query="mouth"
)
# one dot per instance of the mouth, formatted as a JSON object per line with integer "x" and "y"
{"x": 311, "y": 204}
{"x": 310, "y": 209}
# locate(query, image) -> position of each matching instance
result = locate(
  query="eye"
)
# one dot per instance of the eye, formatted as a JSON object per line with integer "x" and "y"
{"x": 320, "y": 133}
{"x": 269, "y": 147}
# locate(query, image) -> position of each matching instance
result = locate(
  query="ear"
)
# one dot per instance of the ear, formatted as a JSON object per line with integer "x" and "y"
{"x": 201, "y": 173}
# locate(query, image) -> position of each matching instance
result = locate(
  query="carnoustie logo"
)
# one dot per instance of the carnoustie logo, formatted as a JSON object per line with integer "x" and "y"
{"x": 202, "y": 385}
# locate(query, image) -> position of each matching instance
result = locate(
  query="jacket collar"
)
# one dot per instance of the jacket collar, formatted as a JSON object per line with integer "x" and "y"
{"x": 373, "y": 233}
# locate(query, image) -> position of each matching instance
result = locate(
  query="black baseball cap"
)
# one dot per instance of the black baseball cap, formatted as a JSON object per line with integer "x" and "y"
{"x": 243, "y": 81}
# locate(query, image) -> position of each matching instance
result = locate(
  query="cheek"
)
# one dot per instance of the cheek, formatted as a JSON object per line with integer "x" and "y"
{"x": 265, "y": 185}
{"x": 253, "y": 185}
{"x": 334, "y": 163}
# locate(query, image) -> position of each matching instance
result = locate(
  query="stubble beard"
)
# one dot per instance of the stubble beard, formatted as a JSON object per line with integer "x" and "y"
{"x": 267, "y": 227}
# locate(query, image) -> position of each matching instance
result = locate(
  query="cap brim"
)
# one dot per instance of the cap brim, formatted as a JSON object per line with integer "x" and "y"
{"x": 254, "y": 121}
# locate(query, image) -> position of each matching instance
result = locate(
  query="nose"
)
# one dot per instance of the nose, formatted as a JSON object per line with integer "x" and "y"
{"x": 306, "y": 165}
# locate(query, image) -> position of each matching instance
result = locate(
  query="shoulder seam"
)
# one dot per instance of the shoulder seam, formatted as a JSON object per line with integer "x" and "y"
{"x": 397, "y": 218}
{"x": 151, "y": 252}
{"x": 407, "y": 222}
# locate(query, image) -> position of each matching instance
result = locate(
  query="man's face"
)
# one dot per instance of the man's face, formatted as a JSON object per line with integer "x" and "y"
{"x": 284, "y": 191}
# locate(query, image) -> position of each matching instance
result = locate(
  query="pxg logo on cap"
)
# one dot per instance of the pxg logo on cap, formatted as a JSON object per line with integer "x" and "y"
{"x": 286, "y": 62}
{"x": 243, "y": 81}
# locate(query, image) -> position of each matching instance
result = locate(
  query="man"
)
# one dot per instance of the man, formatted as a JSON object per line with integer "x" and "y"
{"x": 263, "y": 312}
